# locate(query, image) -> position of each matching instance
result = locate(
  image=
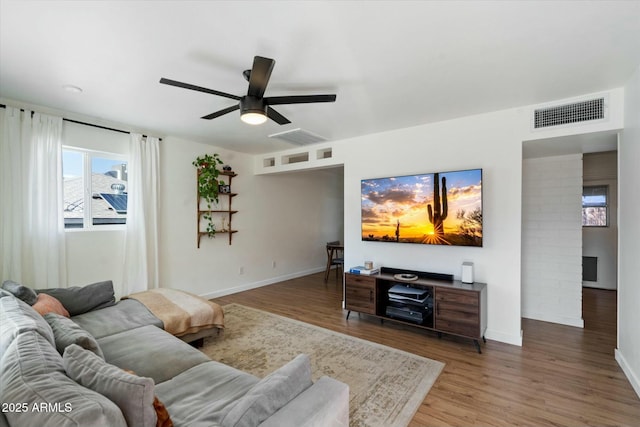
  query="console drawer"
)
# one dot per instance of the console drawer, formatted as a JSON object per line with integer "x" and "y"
{"x": 457, "y": 296}
{"x": 457, "y": 312}
{"x": 360, "y": 293}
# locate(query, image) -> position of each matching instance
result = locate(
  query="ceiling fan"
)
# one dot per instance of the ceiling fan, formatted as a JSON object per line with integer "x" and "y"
{"x": 254, "y": 107}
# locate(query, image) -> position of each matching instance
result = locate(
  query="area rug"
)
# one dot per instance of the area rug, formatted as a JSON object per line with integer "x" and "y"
{"x": 386, "y": 385}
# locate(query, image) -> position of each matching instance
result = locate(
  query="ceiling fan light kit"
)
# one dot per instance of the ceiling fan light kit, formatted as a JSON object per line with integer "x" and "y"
{"x": 254, "y": 107}
{"x": 253, "y": 118}
{"x": 252, "y": 110}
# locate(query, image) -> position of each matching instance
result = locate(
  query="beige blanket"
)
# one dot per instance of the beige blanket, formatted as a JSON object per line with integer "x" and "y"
{"x": 181, "y": 312}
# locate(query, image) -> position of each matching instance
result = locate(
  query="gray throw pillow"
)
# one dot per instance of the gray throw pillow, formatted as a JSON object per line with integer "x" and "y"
{"x": 22, "y": 292}
{"x": 17, "y": 317}
{"x": 67, "y": 332}
{"x": 81, "y": 299}
{"x": 33, "y": 375}
{"x": 131, "y": 393}
{"x": 270, "y": 394}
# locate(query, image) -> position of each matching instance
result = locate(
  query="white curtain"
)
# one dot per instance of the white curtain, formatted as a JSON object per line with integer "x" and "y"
{"x": 31, "y": 200}
{"x": 141, "y": 240}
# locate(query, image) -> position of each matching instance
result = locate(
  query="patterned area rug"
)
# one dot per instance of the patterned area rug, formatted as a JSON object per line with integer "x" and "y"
{"x": 386, "y": 385}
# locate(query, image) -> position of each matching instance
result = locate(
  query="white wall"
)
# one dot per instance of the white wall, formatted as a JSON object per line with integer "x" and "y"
{"x": 289, "y": 217}
{"x": 488, "y": 141}
{"x": 602, "y": 242}
{"x": 552, "y": 239}
{"x": 628, "y": 351}
{"x": 284, "y": 218}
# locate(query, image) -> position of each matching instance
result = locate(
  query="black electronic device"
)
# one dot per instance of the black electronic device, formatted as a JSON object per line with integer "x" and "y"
{"x": 408, "y": 303}
{"x": 420, "y": 274}
{"x": 408, "y": 314}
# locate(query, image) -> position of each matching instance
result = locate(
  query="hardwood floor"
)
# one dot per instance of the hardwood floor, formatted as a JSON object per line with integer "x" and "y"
{"x": 561, "y": 376}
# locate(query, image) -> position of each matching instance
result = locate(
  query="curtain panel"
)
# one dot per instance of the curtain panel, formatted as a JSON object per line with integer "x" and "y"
{"x": 141, "y": 240}
{"x": 32, "y": 248}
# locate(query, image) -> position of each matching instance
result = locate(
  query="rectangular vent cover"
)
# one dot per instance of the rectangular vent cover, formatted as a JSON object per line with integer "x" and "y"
{"x": 590, "y": 268}
{"x": 298, "y": 136}
{"x": 569, "y": 113}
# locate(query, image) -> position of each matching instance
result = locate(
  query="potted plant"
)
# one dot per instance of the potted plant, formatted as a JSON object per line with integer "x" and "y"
{"x": 208, "y": 183}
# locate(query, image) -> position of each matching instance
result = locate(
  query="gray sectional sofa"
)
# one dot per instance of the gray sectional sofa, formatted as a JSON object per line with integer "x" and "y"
{"x": 57, "y": 371}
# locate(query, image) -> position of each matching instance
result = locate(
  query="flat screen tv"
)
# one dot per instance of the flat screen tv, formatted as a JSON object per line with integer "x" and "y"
{"x": 443, "y": 208}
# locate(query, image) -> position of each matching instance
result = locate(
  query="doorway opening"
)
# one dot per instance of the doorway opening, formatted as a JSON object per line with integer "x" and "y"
{"x": 553, "y": 288}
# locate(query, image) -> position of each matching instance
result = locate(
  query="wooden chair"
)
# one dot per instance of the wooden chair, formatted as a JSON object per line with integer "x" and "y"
{"x": 335, "y": 256}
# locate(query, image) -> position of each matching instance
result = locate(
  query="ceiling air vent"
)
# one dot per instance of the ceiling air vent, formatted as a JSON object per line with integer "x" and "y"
{"x": 298, "y": 136}
{"x": 569, "y": 113}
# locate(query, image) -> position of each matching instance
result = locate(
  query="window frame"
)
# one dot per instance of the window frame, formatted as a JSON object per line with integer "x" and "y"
{"x": 87, "y": 158}
{"x": 596, "y": 205}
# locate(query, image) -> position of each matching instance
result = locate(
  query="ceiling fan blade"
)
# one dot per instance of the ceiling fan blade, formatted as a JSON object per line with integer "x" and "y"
{"x": 277, "y": 117}
{"x": 197, "y": 88}
{"x": 299, "y": 99}
{"x": 221, "y": 112}
{"x": 260, "y": 74}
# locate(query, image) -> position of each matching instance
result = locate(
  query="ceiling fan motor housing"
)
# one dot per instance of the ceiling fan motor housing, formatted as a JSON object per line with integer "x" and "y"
{"x": 251, "y": 104}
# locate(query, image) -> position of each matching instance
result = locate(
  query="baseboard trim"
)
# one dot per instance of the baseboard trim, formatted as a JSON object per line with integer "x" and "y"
{"x": 261, "y": 283}
{"x": 492, "y": 334}
{"x": 631, "y": 376}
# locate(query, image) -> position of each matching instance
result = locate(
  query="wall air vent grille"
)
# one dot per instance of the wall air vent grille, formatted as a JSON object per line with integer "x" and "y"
{"x": 298, "y": 136}
{"x": 570, "y": 113}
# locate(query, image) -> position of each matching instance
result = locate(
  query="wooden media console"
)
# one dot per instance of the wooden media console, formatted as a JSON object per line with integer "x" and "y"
{"x": 454, "y": 307}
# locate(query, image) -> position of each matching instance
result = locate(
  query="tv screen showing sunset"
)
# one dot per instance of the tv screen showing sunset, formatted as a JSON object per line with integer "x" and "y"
{"x": 435, "y": 209}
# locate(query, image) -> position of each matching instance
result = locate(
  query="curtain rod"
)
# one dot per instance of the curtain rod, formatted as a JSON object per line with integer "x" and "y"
{"x": 86, "y": 124}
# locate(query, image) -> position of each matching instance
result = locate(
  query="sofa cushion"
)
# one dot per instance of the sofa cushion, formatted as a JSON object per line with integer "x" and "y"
{"x": 197, "y": 396}
{"x": 81, "y": 299}
{"x": 126, "y": 314}
{"x": 133, "y": 394}
{"x": 325, "y": 403}
{"x": 272, "y": 393}
{"x": 48, "y": 304}
{"x": 132, "y": 350}
{"x": 17, "y": 317}
{"x": 67, "y": 332}
{"x": 25, "y": 293}
{"x": 33, "y": 375}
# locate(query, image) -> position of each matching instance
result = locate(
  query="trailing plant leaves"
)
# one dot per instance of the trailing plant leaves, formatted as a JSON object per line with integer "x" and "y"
{"x": 208, "y": 183}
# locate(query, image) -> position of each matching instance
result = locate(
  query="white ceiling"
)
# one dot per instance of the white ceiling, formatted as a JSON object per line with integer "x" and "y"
{"x": 392, "y": 64}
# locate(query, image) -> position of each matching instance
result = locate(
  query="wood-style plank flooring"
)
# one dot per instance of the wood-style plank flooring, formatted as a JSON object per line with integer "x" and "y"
{"x": 561, "y": 376}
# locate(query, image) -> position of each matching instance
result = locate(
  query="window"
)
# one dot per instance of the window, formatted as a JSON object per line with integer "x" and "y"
{"x": 594, "y": 206}
{"x": 95, "y": 189}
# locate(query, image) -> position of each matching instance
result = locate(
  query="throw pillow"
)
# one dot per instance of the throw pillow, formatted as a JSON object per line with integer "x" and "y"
{"x": 17, "y": 317}
{"x": 67, "y": 332}
{"x": 133, "y": 394}
{"x": 48, "y": 304}
{"x": 161, "y": 411}
{"x": 270, "y": 394}
{"x": 26, "y": 294}
{"x": 33, "y": 378}
{"x": 81, "y": 299}
{"x": 164, "y": 420}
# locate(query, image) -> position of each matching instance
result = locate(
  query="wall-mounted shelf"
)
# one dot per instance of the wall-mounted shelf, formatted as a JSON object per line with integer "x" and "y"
{"x": 229, "y": 212}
